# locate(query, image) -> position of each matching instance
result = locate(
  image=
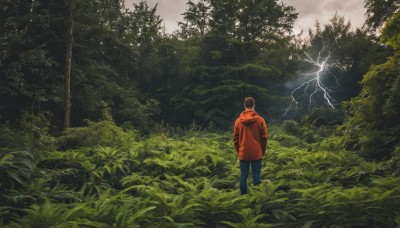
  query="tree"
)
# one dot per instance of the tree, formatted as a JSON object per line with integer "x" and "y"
{"x": 374, "y": 125}
{"x": 68, "y": 60}
{"x": 249, "y": 25}
{"x": 232, "y": 53}
{"x": 379, "y": 11}
{"x": 197, "y": 18}
{"x": 37, "y": 54}
{"x": 109, "y": 44}
{"x": 144, "y": 31}
{"x": 30, "y": 73}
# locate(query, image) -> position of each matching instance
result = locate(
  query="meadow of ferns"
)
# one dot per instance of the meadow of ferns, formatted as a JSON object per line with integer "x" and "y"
{"x": 104, "y": 175}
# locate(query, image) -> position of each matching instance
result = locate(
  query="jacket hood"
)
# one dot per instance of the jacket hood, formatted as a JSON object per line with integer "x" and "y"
{"x": 248, "y": 117}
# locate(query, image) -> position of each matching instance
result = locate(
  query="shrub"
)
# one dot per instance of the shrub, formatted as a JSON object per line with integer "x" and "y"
{"x": 35, "y": 132}
{"x": 104, "y": 133}
{"x": 293, "y": 128}
{"x": 7, "y": 134}
{"x": 288, "y": 140}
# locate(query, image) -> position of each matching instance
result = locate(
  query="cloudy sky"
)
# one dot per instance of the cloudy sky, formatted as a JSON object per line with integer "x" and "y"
{"x": 309, "y": 11}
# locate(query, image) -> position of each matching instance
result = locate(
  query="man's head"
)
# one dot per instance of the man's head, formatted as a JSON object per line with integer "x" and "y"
{"x": 249, "y": 103}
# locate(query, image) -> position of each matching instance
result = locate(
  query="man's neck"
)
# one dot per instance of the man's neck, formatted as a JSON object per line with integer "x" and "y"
{"x": 249, "y": 109}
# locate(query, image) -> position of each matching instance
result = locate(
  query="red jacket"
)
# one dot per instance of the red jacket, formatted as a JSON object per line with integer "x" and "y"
{"x": 250, "y": 136}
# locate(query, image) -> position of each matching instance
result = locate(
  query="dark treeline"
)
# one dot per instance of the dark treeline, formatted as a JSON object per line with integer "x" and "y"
{"x": 224, "y": 50}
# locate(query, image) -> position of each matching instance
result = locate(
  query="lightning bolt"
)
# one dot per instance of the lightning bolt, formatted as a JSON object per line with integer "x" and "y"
{"x": 314, "y": 84}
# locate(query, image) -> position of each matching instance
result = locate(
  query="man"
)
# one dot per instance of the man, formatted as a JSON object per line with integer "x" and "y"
{"x": 250, "y": 136}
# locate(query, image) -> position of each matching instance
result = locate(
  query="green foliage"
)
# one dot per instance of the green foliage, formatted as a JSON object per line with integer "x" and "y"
{"x": 47, "y": 215}
{"x": 35, "y": 132}
{"x": 15, "y": 168}
{"x": 390, "y": 33}
{"x": 292, "y": 133}
{"x": 335, "y": 205}
{"x": 373, "y": 128}
{"x": 324, "y": 116}
{"x": 29, "y": 72}
{"x": 190, "y": 178}
{"x": 111, "y": 164}
{"x": 210, "y": 94}
{"x": 380, "y": 11}
{"x": 108, "y": 39}
{"x": 374, "y": 133}
{"x": 237, "y": 49}
{"x": 104, "y": 133}
{"x": 7, "y": 134}
{"x": 392, "y": 165}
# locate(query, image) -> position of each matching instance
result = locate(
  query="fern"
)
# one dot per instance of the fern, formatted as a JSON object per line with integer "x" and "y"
{"x": 15, "y": 168}
{"x": 111, "y": 162}
{"x": 191, "y": 179}
{"x": 48, "y": 215}
{"x": 249, "y": 219}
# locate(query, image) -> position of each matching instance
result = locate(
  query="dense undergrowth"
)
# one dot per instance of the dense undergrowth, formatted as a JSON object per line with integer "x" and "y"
{"x": 105, "y": 176}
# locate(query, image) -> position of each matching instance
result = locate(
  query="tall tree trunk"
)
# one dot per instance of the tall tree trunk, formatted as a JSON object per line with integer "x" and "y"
{"x": 68, "y": 61}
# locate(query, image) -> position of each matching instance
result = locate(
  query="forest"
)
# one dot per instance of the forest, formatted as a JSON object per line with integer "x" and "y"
{"x": 107, "y": 120}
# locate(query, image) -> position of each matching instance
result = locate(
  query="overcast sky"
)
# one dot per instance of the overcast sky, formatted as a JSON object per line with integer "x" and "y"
{"x": 309, "y": 11}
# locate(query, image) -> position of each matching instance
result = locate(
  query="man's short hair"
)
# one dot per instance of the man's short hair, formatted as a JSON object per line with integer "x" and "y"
{"x": 249, "y": 102}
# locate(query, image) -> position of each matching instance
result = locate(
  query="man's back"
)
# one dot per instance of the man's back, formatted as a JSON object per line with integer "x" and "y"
{"x": 250, "y": 136}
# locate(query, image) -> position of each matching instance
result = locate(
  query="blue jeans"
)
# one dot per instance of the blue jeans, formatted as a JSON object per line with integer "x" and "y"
{"x": 244, "y": 173}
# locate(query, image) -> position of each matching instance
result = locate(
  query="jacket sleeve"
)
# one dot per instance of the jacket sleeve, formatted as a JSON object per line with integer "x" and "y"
{"x": 264, "y": 136}
{"x": 235, "y": 136}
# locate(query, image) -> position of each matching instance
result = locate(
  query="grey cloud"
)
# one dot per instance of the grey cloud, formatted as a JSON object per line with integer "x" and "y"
{"x": 337, "y": 5}
{"x": 323, "y": 10}
{"x": 305, "y": 8}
